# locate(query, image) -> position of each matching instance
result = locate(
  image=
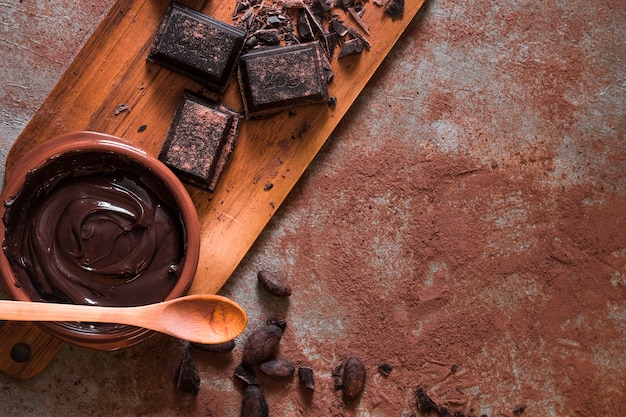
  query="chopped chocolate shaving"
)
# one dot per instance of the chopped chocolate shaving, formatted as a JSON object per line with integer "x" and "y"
{"x": 357, "y": 18}
{"x": 394, "y": 8}
{"x": 351, "y": 47}
{"x": 122, "y": 107}
{"x": 355, "y": 34}
{"x": 268, "y": 36}
{"x": 327, "y": 5}
{"x": 304, "y": 27}
{"x": 339, "y": 28}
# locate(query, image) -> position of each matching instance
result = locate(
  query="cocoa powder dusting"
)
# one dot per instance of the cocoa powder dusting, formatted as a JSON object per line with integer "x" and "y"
{"x": 483, "y": 316}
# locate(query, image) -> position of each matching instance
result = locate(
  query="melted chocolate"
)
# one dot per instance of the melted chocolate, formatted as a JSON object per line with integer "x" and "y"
{"x": 94, "y": 228}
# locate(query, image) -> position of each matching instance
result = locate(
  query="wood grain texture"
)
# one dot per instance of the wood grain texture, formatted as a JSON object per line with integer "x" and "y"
{"x": 112, "y": 69}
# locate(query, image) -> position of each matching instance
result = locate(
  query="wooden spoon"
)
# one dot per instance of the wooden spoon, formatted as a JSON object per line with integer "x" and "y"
{"x": 201, "y": 318}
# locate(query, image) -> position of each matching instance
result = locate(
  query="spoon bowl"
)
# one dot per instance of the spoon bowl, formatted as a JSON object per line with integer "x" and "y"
{"x": 200, "y": 318}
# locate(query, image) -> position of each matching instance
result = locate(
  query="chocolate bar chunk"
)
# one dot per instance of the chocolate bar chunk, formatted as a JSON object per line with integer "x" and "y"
{"x": 201, "y": 137}
{"x": 276, "y": 78}
{"x": 199, "y": 46}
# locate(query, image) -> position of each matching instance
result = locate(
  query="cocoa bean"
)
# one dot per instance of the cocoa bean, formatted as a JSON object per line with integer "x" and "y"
{"x": 187, "y": 378}
{"x": 277, "y": 321}
{"x": 254, "y": 404}
{"x": 279, "y": 367}
{"x": 246, "y": 374}
{"x": 306, "y": 377}
{"x": 353, "y": 380}
{"x": 274, "y": 283}
{"x": 215, "y": 348}
{"x": 262, "y": 344}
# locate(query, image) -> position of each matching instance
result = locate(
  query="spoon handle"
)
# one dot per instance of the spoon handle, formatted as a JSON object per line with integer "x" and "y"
{"x": 41, "y": 311}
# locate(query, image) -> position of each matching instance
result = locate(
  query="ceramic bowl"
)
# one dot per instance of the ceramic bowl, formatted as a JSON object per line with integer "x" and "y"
{"x": 89, "y": 218}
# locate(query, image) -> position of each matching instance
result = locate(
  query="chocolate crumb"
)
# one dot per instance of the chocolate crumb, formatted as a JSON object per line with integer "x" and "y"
{"x": 519, "y": 410}
{"x": 385, "y": 369}
{"x": 122, "y": 107}
{"x": 268, "y": 186}
{"x": 424, "y": 402}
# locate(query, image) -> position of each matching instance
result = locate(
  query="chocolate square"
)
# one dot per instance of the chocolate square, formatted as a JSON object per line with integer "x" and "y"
{"x": 198, "y": 46}
{"x": 276, "y": 78}
{"x": 200, "y": 140}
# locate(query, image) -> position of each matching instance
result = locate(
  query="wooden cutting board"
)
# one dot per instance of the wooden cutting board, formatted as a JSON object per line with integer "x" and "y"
{"x": 111, "y": 69}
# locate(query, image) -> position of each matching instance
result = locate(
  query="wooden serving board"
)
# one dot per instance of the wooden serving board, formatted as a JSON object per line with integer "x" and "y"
{"x": 112, "y": 69}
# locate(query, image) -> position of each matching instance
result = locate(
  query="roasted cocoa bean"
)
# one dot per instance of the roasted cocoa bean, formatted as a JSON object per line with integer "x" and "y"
{"x": 353, "y": 379}
{"x": 254, "y": 404}
{"x": 274, "y": 283}
{"x": 306, "y": 377}
{"x": 262, "y": 344}
{"x": 246, "y": 374}
{"x": 279, "y": 367}
{"x": 215, "y": 348}
{"x": 277, "y": 321}
{"x": 187, "y": 378}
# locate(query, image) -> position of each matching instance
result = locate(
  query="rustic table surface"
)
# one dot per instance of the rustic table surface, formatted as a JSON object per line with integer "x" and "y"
{"x": 463, "y": 223}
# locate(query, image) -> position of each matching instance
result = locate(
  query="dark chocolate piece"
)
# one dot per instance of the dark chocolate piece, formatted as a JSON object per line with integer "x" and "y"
{"x": 274, "y": 79}
{"x": 200, "y": 140}
{"x": 198, "y": 46}
{"x": 351, "y": 47}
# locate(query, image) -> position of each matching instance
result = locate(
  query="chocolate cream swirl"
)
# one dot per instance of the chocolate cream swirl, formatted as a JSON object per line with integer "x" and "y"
{"x": 102, "y": 232}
